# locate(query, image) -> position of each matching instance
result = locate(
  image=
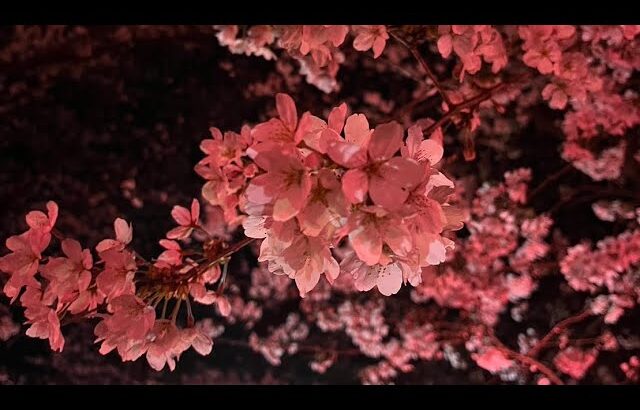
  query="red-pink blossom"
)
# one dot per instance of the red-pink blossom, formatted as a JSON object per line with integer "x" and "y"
{"x": 370, "y": 37}
{"x": 186, "y": 219}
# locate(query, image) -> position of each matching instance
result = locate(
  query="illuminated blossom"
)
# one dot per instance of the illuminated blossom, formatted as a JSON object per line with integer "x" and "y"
{"x": 186, "y": 219}
{"x": 370, "y": 37}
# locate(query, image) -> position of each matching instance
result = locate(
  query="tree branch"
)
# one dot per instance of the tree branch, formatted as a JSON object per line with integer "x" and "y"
{"x": 557, "y": 330}
{"x": 414, "y": 51}
{"x": 464, "y": 105}
{"x": 528, "y": 361}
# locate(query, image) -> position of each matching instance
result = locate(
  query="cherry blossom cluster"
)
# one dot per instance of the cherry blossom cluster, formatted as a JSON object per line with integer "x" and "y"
{"x": 612, "y": 266}
{"x": 315, "y": 47}
{"x": 473, "y": 45}
{"x": 305, "y": 184}
{"x": 574, "y": 60}
{"x": 499, "y": 261}
{"x": 129, "y": 295}
{"x": 583, "y": 69}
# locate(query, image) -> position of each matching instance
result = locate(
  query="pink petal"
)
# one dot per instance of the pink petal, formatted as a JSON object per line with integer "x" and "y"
{"x": 180, "y": 232}
{"x": 355, "y": 184}
{"x": 385, "y": 141}
{"x": 311, "y": 128}
{"x": 363, "y": 41}
{"x": 314, "y": 218}
{"x": 397, "y": 236}
{"x": 263, "y": 189}
{"x": 389, "y": 196}
{"x": 52, "y": 211}
{"x": 287, "y": 110}
{"x": 332, "y": 269}
{"x": 181, "y": 215}
{"x": 445, "y": 46}
{"x": 367, "y": 243}
{"x": 273, "y": 131}
{"x": 378, "y": 46}
{"x": 72, "y": 249}
{"x": 170, "y": 244}
{"x": 157, "y": 361}
{"x": 367, "y": 278}
{"x": 347, "y": 154}
{"x": 202, "y": 344}
{"x": 306, "y": 280}
{"x": 389, "y": 279}
{"x": 223, "y": 305}
{"x": 254, "y": 226}
{"x": 37, "y": 220}
{"x": 437, "y": 253}
{"x": 195, "y": 210}
{"x": 292, "y": 200}
{"x": 326, "y": 138}
{"x": 336, "y": 118}
{"x": 124, "y": 231}
{"x": 357, "y": 130}
{"x": 558, "y": 100}
{"x": 107, "y": 244}
{"x": 492, "y": 360}
{"x": 431, "y": 151}
{"x": 403, "y": 172}
{"x": 84, "y": 280}
{"x": 200, "y": 294}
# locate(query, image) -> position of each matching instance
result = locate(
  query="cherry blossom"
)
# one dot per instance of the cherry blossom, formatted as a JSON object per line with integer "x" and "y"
{"x": 124, "y": 235}
{"x": 370, "y": 37}
{"x": 187, "y": 219}
{"x": 68, "y": 275}
{"x": 492, "y": 360}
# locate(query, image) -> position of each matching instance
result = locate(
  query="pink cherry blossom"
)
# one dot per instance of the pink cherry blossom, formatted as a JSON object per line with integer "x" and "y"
{"x": 166, "y": 344}
{"x": 198, "y": 339}
{"x": 186, "y": 219}
{"x": 493, "y": 360}
{"x": 388, "y": 279}
{"x": 172, "y": 255}
{"x": 68, "y": 275}
{"x": 23, "y": 261}
{"x": 38, "y": 221}
{"x": 124, "y": 235}
{"x": 326, "y": 207}
{"x": 370, "y": 228}
{"x": 575, "y": 362}
{"x": 129, "y": 323}
{"x": 43, "y": 319}
{"x": 319, "y": 39}
{"x": 420, "y": 149}
{"x": 285, "y": 185}
{"x": 386, "y": 178}
{"x": 370, "y": 37}
{"x": 117, "y": 277}
{"x": 281, "y": 130}
{"x": 543, "y": 55}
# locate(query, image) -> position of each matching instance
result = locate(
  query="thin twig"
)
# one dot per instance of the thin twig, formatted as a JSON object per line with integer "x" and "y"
{"x": 462, "y": 106}
{"x": 236, "y": 247}
{"x": 549, "y": 180}
{"x": 414, "y": 51}
{"x": 432, "y": 76}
